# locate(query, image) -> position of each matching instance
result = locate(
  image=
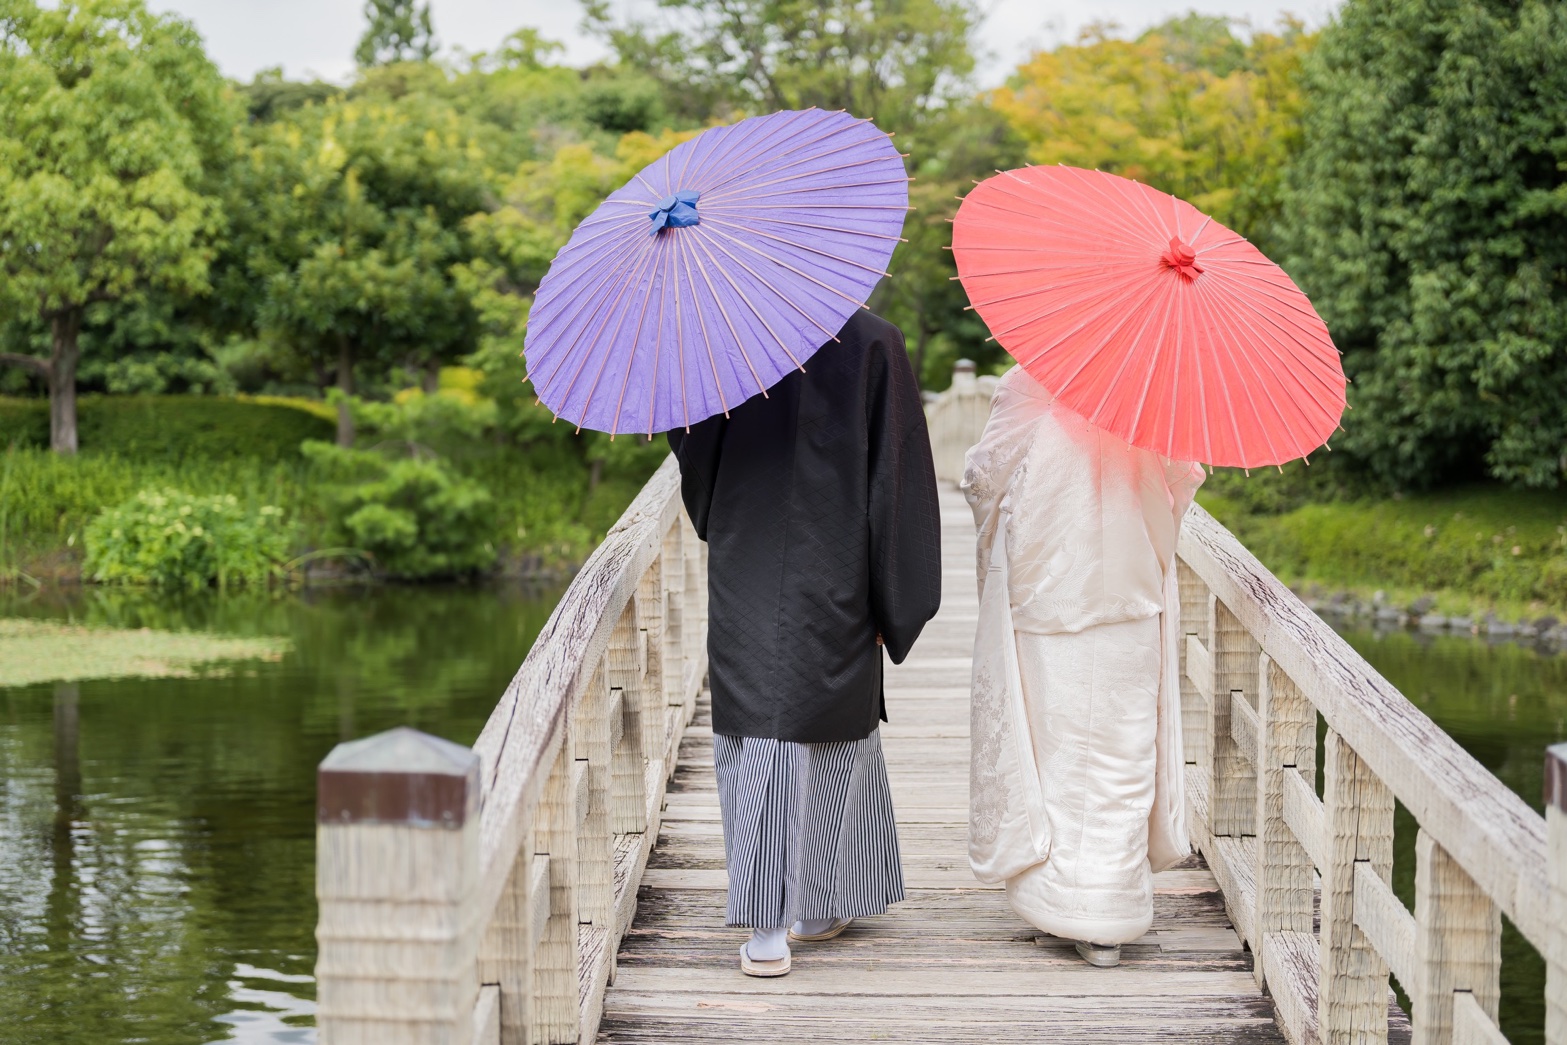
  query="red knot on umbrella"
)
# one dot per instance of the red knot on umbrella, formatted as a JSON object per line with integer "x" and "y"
{"x": 1182, "y": 258}
{"x": 677, "y": 211}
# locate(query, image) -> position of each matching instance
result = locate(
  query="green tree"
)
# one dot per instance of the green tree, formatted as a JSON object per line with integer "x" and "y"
{"x": 892, "y": 61}
{"x": 1185, "y": 107}
{"x": 399, "y": 31}
{"x": 112, "y": 124}
{"x": 349, "y": 224}
{"x": 1429, "y": 223}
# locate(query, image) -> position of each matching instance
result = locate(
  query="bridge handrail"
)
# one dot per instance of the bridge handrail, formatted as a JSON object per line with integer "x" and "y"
{"x": 479, "y": 895}
{"x": 1257, "y": 668}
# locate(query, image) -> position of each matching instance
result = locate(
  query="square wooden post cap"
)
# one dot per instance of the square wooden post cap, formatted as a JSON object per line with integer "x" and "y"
{"x": 1556, "y": 776}
{"x": 401, "y": 776}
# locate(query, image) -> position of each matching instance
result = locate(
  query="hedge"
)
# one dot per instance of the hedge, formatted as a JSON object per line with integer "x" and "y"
{"x": 171, "y": 428}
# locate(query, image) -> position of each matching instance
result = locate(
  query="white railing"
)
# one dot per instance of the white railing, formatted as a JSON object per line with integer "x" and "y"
{"x": 479, "y": 895}
{"x": 1257, "y": 669}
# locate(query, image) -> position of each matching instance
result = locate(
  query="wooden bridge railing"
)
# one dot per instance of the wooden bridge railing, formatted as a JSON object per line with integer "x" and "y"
{"x": 1257, "y": 669}
{"x": 479, "y": 895}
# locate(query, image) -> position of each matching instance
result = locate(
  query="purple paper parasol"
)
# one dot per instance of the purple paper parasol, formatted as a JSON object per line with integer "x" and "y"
{"x": 715, "y": 271}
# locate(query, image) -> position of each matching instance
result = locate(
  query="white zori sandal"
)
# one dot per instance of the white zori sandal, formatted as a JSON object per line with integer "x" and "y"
{"x": 753, "y": 967}
{"x": 833, "y": 929}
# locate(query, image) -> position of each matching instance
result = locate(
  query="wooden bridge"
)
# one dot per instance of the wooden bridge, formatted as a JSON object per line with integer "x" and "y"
{"x": 563, "y": 880}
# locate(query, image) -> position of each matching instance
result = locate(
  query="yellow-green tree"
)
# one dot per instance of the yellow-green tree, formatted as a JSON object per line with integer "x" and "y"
{"x": 1186, "y": 107}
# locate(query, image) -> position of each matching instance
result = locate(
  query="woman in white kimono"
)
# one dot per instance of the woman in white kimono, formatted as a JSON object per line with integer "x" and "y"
{"x": 1076, "y": 776}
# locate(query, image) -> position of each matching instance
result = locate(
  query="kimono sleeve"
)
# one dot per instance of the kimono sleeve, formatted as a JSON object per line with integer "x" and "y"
{"x": 698, "y": 451}
{"x": 905, "y": 519}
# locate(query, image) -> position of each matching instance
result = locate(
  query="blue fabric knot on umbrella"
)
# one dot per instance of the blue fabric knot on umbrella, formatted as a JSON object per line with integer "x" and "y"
{"x": 677, "y": 211}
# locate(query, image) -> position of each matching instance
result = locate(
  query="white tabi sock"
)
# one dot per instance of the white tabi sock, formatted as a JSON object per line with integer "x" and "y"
{"x": 768, "y": 945}
{"x": 812, "y": 926}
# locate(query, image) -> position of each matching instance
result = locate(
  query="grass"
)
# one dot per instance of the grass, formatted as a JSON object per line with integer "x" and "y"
{"x": 1475, "y": 550}
{"x": 33, "y": 651}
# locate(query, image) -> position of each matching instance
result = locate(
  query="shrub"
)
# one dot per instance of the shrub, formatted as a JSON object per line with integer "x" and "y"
{"x": 177, "y": 540}
{"x": 414, "y": 516}
{"x": 171, "y": 428}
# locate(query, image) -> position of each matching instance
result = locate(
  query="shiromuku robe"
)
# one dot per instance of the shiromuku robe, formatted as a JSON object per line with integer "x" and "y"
{"x": 818, "y": 505}
{"x": 1076, "y": 791}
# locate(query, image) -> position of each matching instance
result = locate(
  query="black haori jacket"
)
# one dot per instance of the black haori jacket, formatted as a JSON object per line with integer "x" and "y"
{"x": 818, "y": 504}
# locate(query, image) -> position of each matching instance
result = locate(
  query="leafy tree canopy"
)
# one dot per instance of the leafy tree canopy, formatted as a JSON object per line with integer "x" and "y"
{"x": 887, "y": 60}
{"x": 112, "y": 125}
{"x": 1186, "y": 107}
{"x": 1427, "y": 217}
{"x": 398, "y": 31}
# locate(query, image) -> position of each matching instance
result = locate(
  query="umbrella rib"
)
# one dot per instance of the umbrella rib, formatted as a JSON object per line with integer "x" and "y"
{"x": 760, "y": 279}
{"x": 584, "y": 295}
{"x": 768, "y": 163}
{"x": 728, "y": 195}
{"x": 680, "y": 345}
{"x": 707, "y": 341}
{"x": 1106, "y": 294}
{"x": 1238, "y": 356}
{"x": 767, "y": 145}
{"x": 802, "y": 246}
{"x": 803, "y": 190}
{"x": 620, "y": 268}
{"x": 1285, "y": 365}
{"x": 703, "y": 247}
{"x": 739, "y": 344}
{"x": 658, "y": 340}
{"x": 1086, "y": 356}
{"x": 636, "y": 336}
{"x": 1126, "y": 360}
{"x": 1090, "y": 279}
{"x": 829, "y": 228}
{"x": 734, "y": 179}
{"x": 1135, "y": 209}
{"x": 613, "y": 310}
{"x": 1264, "y": 309}
{"x": 756, "y": 249}
{"x": 1237, "y": 352}
{"x": 1033, "y": 212}
{"x": 1226, "y": 397}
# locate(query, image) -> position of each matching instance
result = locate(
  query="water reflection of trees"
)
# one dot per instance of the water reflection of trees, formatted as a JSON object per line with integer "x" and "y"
{"x": 168, "y": 825}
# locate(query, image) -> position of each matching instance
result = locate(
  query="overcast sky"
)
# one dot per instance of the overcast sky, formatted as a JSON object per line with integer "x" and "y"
{"x": 317, "y": 37}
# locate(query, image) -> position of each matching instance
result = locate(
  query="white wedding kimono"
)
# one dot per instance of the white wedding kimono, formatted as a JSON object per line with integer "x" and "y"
{"x": 1076, "y": 792}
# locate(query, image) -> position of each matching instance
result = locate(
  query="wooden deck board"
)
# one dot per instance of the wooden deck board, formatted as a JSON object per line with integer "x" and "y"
{"x": 952, "y": 963}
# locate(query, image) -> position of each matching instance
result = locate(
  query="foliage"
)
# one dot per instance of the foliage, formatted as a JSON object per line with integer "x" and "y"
{"x": 399, "y": 31}
{"x": 172, "y": 539}
{"x": 1429, "y": 224}
{"x": 892, "y": 61}
{"x": 112, "y": 121}
{"x": 1186, "y": 107}
{"x": 174, "y": 428}
{"x": 353, "y": 216}
{"x": 1498, "y": 546}
{"x": 415, "y": 517}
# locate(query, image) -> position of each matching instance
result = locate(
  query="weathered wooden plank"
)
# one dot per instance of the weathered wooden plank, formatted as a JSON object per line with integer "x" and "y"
{"x": 1471, "y": 1024}
{"x": 1244, "y": 730}
{"x": 1232, "y": 792}
{"x": 1074, "y": 980}
{"x": 1291, "y": 965}
{"x": 1386, "y": 922}
{"x": 1286, "y": 749}
{"x": 487, "y": 1016}
{"x": 1303, "y": 814}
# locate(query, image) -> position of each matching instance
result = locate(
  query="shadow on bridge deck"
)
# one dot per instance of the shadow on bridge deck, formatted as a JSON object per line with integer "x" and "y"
{"x": 953, "y": 963}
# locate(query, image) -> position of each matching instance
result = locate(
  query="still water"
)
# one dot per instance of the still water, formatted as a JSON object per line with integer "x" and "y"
{"x": 156, "y": 837}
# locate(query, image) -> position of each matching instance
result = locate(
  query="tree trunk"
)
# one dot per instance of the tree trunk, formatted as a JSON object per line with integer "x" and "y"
{"x": 345, "y": 381}
{"x": 64, "y": 353}
{"x": 432, "y": 377}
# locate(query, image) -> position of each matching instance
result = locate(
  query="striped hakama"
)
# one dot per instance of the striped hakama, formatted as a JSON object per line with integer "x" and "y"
{"x": 808, "y": 830}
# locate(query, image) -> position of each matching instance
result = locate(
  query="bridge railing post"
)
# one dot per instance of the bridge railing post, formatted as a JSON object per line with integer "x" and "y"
{"x": 1287, "y": 744}
{"x": 397, "y": 857}
{"x": 1358, "y": 828}
{"x": 1556, "y": 863}
{"x": 1194, "y": 596}
{"x": 1232, "y": 795}
{"x": 1458, "y": 944}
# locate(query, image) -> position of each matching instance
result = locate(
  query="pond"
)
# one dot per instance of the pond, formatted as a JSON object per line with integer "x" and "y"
{"x": 157, "y": 836}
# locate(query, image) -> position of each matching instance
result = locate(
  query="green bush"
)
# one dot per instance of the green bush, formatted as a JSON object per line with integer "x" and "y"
{"x": 173, "y": 539}
{"x": 171, "y": 428}
{"x": 415, "y": 517}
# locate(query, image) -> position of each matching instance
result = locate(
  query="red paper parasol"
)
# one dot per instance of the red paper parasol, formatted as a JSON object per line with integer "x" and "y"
{"x": 1148, "y": 318}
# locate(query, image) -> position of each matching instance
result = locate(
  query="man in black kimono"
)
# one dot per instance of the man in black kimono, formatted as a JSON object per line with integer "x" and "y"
{"x": 818, "y": 503}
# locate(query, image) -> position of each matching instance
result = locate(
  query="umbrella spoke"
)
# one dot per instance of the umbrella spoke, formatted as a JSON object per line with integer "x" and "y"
{"x": 786, "y": 299}
{"x": 740, "y": 292}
